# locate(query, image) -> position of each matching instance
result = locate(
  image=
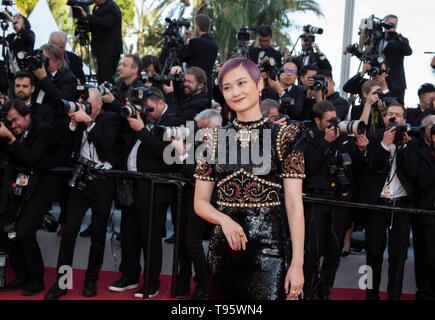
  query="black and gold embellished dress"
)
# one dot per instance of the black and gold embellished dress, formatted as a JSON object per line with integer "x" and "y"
{"x": 253, "y": 198}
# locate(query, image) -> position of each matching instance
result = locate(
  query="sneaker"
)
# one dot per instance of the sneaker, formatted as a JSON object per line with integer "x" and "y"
{"x": 86, "y": 233}
{"x": 123, "y": 284}
{"x": 152, "y": 293}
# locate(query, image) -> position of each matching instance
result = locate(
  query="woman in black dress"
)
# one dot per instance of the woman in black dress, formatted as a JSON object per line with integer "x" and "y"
{"x": 251, "y": 254}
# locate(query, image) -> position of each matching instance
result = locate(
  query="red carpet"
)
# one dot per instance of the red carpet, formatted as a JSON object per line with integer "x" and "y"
{"x": 107, "y": 278}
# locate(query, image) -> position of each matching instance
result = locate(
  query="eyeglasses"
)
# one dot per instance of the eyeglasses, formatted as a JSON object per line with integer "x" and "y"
{"x": 291, "y": 71}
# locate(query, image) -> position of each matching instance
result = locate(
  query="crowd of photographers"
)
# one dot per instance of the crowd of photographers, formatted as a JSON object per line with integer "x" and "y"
{"x": 375, "y": 152}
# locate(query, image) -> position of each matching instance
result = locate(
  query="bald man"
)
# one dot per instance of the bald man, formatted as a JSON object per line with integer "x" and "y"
{"x": 75, "y": 63}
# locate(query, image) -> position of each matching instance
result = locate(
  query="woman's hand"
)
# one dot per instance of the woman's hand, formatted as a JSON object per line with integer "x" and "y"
{"x": 234, "y": 233}
{"x": 294, "y": 282}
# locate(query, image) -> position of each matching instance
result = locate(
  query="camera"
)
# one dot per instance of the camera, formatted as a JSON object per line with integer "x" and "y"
{"x": 71, "y": 106}
{"x": 172, "y": 32}
{"x": 177, "y": 133}
{"x": 385, "y": 98}
{"x": 137, "y": 98}
{"x": 50, "y": 223}
{"x": 269, "y": 66}
{"x": 9, "y": 229}
{"x": 7, "y": 3}
{"x": 106, "y": 87}
{"x": 82, "y": 91}
{"x": 163, "y": 79}
{"x": 286, "y": 105}
{"x": 400, "y": 130}
{"x": 375, "y": 62}
{"x": 339, "y": 181}
{"x": 312, "y": 29}
{"x": 353, "y": 127}
{"x": 319, "y": 82}
{"x": 79, "y": 3}
{"x": 308, "y": 37}
{"x": 81, "y": 174}
{"x": 3, "y": 115}
{"x": 30, "y": 61}
{"x": 243, "y": 41}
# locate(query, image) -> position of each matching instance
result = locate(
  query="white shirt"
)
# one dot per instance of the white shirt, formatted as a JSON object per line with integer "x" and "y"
{"x": 394, "y": 189}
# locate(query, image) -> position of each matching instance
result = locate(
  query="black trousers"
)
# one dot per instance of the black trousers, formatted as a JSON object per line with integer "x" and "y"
{"x": 423, "y": 236}
{"x": 193, "y": 229}
{"x": 106, "y": 68}
{"x": 325, "y": 227}
{"x": 98, "y": 196}
{"x": 24, "y": 252}
{"x": 395, "y": 227}
{"x": 134, "y": 226}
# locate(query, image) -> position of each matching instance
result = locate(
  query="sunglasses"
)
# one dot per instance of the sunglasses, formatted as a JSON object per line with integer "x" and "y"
{"x": 291, "y": 71}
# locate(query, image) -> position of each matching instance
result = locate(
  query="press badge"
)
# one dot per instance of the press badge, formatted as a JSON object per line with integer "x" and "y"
{"x": 22, "y": 180}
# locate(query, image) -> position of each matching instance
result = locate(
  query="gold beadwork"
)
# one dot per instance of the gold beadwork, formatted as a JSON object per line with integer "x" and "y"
{"x": 248, "y": 205}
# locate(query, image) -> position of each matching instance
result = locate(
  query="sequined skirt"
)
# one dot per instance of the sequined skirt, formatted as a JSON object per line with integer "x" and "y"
{"x": 258, "y": 273}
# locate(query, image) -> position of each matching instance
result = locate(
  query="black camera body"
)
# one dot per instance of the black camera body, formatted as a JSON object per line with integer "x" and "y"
{"x": 172, "y": 32}
{"x": 375, "y": 62}
{"x": 401, "y": 129}
{"x": 137, "y": 103}
{"x": 7, "y": 3}
{"x": 71, "y": 106}
{"x": 319, "y": 83}
{"x": 106, "y": 87}
{"x": 308, "y": 38}
{"x": 81, "y": 174}
{"x": 82, "y": 92}
{"x": 270, "y": 67}
{"x": 161, "y": 78}
{"x": 286, "y": 105}
{"x": 385, "y": 98}
{"x": 79, "y": 3}
{"x": 31, "y": 61}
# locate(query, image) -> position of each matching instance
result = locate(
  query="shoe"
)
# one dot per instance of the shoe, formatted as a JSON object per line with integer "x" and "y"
{"x": 90, "y": 288}
{"x": 323, "y": 294}
{"x": 182, "y": 290}
{"x": 55, "y": 292}
{"x": 33, "y": 288}
{"x": 123, "y": 284}
{"x": 345, "y": 253}
{"x": 152, "y": 292}
{"x": 171, "y": 239}
{"x": 15, "y": 285}
{"x": 86, "y": 233}
{"x": 199, "y": 294}
{"x": 61, "y": 230}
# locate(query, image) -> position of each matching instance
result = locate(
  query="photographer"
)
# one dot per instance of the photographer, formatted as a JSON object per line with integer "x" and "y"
{"x": 144, "y": 147}
{"x": 94, "y": 136}
{"x": 202, "y": 50}
{"x": 330, "y": 160}
{"x": 290, "y": 95}
{"x": 129, "y": 70}
{"x": 395, "y": 47}
{"x": 380, "y": 74}
{"x": 106, "y": 28}
{"x": 26, "y": 144}
{"x": 388, "y": 179}
{"x": 24, "y": 86}
{"x": 341, "y": 105}
{"x": 426, "y": 94}
{"x": 74, "y": 62}
{"x": 314, "y": 90}
{"x": 423, "y": 226}
{"x": 308, "y": 56}
{"x": 22, "y": 40}
{"x": 194, "y": 97}
{"x": 264, "y": 52}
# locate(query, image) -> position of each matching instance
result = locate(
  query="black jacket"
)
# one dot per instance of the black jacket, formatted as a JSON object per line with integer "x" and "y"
{"x": 103, "y": 135}
{"x": 21, "y": 41}
{"x": 43, "y": 112}
{"x": 395, "y": 52}
{"x": 270, "y": 52}
{"x": 121, "y": 93}
{"x": 76, "y": 66}
{"x": 150, "y": 158}
{"x": 33, "y": 149}
{"x": 320, "y": 155}
{"x": 415, "y": 115}
{"x": 188, "y": 107}
{"x": 377, "y": 168}
{"x": 426, "y": 178}
{"x": 314, "y": 58}
{"x": 202, "y": 52}
{"x": 341, "y": 105}
{"x": 106, "y": 28}
{"x": 354, "y": 84}
{"x": 61, "y": 86}
{"x": 295, "y": 105}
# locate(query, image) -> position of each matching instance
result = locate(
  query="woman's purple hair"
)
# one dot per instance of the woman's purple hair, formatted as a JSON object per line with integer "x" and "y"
{"x": 233, "y": 63}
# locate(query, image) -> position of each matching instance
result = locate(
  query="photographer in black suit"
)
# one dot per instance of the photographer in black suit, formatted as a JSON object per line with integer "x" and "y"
{"x": 388, "y": 179}
{"x": 144, "y": 147}
{"x": 26, "y": 143}
{"x": 426, "y": 95}
{"x": 264, "y": 51}
{"x": 22, "y": 40}
{"x": 106, "y": 28}
{"x": 74, "y": 62}
{"x": 202, "y": 50}
{"x": 94, "y": 136}
{"x": 395, "y": 47}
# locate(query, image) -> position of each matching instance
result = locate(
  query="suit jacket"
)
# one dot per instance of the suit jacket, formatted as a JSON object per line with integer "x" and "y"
{"x": 426, "y": 178}
{"x": 296, "y": 93}
{"x": 32, "y": 149}
{"x": 106, "y": 28}
{"x": 354, "y": 84}
{"x": 150, "y": 158}
{"x": 377, "y": 168}
{"x": 254, "y": 52}
{"x": 341, "y": 105}
{"x": 395, "y": 52}
{"x": 43, "y": 112}
{"x": 189, "y": 106}
{"x": 76, "y": 66}
{"x": 314, "y": 59}
{"x": 103, "y": 135}
{"x": 415, "y": 115}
